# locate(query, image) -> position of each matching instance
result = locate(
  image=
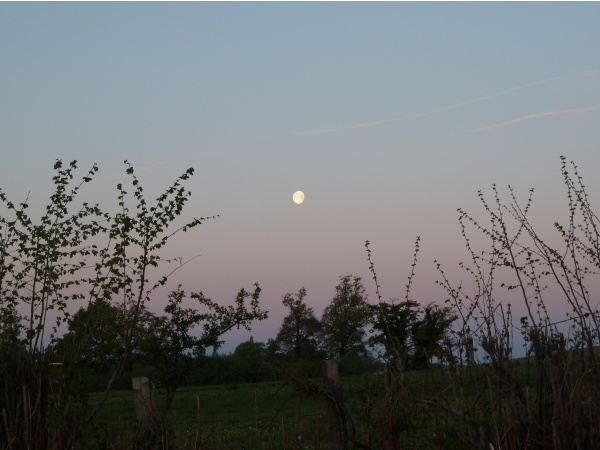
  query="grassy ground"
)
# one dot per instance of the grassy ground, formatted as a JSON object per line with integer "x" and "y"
{"x": 279, "y": 415}
{"x": 266, "y": 415}
{"x": 273, "y": 415}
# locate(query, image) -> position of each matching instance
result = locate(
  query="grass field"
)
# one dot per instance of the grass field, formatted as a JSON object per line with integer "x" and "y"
{"x": 262, "y": 415}
{"x": 271, "y": 415}
{"x": 432, "y": 409}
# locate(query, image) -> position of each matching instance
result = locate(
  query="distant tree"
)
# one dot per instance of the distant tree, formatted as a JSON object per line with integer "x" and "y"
{"x": 170, "y": 345}
{"x": 94, "y": 337}
{"x": 96, "y": 340}
{"x": 345, "y": 318}
{"x": 250, "y": 349}
{"x": 10, "y": 326}
{"x": 429, "y": 331}
{"x": 248, "y": 359}
{"x": 299, "y": 331}
{"x": 11, "y": 345}
{"x": 392, "y": 329}
{"x": 272, "y": 348}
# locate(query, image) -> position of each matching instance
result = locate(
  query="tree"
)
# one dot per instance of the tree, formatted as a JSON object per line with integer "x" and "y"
{"x": 345, "y": 318}
{"x": 171, "y": 344}
{"x": 300, "y": 328}
{"x": 10, "y": 327}
{"x": 94, "y": 344}
{"x": 247, "y": 359}
{"x": 429, "y": 331}
{"x": 100, "y": 349}
{"x": 392, "y": 328}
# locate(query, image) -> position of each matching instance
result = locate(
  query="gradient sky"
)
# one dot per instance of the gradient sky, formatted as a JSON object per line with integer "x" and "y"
{"x": 389, "y": 116}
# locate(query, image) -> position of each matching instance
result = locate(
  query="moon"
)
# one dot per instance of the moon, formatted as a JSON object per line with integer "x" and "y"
{"x": 298, "y": 197}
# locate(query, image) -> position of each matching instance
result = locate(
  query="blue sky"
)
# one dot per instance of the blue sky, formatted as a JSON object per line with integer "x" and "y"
{"x": 389, "y": 116}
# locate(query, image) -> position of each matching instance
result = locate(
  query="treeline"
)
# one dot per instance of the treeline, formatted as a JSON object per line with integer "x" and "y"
{"x": 166, "y": 349}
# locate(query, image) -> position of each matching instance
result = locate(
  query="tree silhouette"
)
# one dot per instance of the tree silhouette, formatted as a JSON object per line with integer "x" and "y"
{"x": 300, "y": 328}
{"x": 392, "y": 329}
{"x": 345, "y": 318}
{"x": 429, "y": 331}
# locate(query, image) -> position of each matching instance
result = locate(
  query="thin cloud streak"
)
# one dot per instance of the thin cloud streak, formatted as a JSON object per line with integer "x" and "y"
{"x": 154, "y": 165}
{"x": 536, "y": 116}
{"x": 483, "y": 98}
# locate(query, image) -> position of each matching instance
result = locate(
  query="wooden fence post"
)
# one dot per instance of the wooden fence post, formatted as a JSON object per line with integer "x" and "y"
{"x": 335, "y": 410}
{"x": 142, "y": 398}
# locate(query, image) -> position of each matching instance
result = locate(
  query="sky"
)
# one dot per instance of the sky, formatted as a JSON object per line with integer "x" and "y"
{"x": 389, "y": 116}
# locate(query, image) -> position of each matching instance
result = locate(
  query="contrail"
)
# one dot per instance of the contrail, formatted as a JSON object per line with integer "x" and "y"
{"x": 483, "y": 98}
{"x": 536, "y": 116}
{"x": 154, "y": 165}
{"x": 357, "y": 125}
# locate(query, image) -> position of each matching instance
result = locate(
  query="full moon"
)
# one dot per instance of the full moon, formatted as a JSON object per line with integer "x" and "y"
{"x": 298, "y": 197}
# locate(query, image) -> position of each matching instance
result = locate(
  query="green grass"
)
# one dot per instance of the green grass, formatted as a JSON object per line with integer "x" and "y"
{"x": 215, "y": 403}
{"x": 274, "y": 415}
{"x": 251, "y": 415}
